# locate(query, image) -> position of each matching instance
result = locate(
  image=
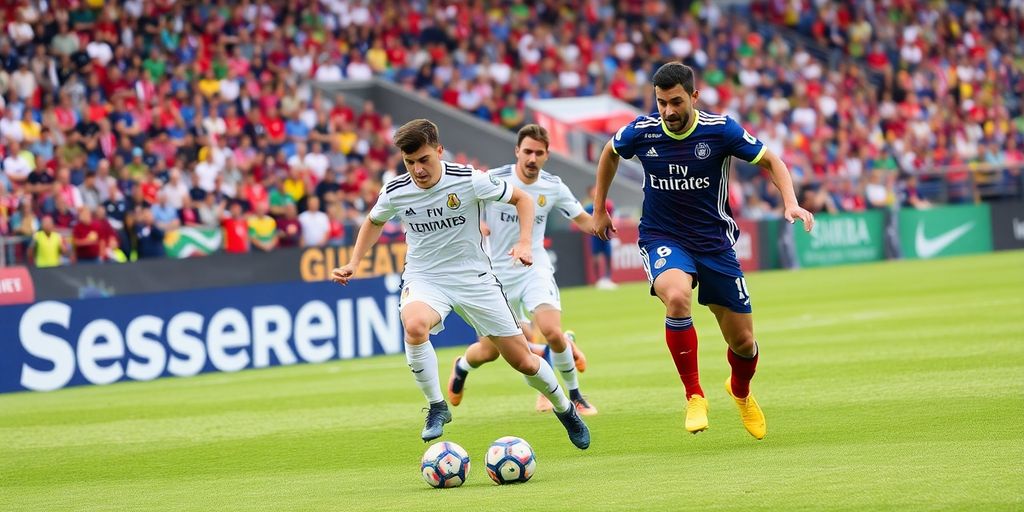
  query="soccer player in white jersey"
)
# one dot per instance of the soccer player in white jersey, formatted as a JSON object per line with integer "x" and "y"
{"x": 530, "y": 290}
{"x": 447, "y": 269}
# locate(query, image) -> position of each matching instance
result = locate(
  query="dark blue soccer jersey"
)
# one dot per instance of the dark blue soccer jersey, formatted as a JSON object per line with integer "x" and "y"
{"x": 686, "y": 178}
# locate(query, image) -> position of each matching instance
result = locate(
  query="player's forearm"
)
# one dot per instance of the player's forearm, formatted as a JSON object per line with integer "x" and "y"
{"x": 606, "y": 169}
{"x": 368, "y": 235}
{"x": 779, "y": 172}
{"x": 585, "y": 222}
{"x": 525, "y": 211}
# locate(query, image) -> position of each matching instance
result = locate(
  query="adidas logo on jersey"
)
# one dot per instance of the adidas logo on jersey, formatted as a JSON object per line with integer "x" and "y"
{"x": 651, "y": 152}
{"x": 409, "y": 211}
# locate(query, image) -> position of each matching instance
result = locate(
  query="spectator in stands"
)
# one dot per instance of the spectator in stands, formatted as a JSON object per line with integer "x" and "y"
{"x": 210, "y": 211}
{"x": 289, "y": 228}
{"x": 316, "y": 226}
{"x": 164, "y": 215}
{"x": 236, "y": 230}
{"x": 109, "y": 236}
{"x": 149, "y": 237}
{"x": 263, "y": 228}
{"x": 87, "y": 238}
{"x": 47, "y": 245}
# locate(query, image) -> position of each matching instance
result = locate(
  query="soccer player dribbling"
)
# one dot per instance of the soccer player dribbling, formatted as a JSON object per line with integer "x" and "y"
{"x": 447, "y": 269}
{"x": 687, "y": 230}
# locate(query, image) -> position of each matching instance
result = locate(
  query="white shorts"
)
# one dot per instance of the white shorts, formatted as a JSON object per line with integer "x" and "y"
{"x": 478, "y": 300}
{"x": 528, "y": 291}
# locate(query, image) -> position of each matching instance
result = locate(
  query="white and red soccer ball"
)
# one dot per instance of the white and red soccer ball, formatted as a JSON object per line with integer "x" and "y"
{"x": 510, "y": 460}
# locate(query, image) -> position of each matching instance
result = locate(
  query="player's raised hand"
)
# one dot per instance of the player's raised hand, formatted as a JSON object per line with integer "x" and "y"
{"x": 603, "y": 227}
{"x": 795, "y": 212}
{"x": 342, "y": 275}
{"x": 522, "y": 252}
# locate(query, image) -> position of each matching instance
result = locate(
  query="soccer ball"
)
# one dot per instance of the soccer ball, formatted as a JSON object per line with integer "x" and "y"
{"x": 445, "y": 464}
{"x": 510, "y": 460}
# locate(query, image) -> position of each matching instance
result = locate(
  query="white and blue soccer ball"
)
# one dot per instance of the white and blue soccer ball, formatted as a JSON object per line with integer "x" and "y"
{"x": 445, "y": 464}
{"x": 510, "y": 460}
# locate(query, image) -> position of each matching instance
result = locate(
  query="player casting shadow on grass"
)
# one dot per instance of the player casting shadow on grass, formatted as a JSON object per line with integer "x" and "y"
{"x": 446, "y": 269}
{"x": 687, "y": 230}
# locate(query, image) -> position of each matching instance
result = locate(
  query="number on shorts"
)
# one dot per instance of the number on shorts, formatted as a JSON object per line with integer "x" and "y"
{"x": 741, "y": 286}
{"x": 664, "y": 251}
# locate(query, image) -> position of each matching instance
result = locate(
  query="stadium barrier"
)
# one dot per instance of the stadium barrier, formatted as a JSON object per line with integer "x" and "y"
{"x": 945, "y": 231}
{"x": 1007, "y": 225}
{"x": 840, "y": 239}
{"x": 52, "y": 344}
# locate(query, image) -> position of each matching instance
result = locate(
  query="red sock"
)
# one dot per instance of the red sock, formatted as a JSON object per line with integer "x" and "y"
{"x": 681, "y": 338}
{"x": 742, "y": 371}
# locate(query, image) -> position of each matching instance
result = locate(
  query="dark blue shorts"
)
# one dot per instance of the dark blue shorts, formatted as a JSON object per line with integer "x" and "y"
{"x": 598, "y": 246}
{"x": 718, "y": 275}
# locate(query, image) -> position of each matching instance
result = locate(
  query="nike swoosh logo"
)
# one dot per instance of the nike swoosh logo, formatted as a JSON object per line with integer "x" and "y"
{"x": 928, "y": 247}
{"x": 414, "y": 371}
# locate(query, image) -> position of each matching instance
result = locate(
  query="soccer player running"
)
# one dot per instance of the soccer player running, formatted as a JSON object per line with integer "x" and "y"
{"x": 687, "y": 230}
{"x": 446, "y": 268}
{"x": 530, "y": 290}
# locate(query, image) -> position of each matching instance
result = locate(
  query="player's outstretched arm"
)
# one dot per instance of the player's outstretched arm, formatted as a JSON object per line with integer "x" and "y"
{"x": 607, "y": 166}
{"x": 585, "y": 222}
{"x": 784, "y": 182}
{"x": 523, "y": 249}
{"x": 368, "y": 235}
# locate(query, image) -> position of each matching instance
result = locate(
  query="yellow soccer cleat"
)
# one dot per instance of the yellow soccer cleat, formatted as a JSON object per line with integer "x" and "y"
{"x": 750, "y": 412}
{"x": 696, "y": 414}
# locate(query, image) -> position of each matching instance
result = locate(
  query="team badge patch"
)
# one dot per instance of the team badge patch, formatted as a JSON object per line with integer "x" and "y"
{"x": 453, "y": 201}
{"x": 703, "y": 150}
{"x": 541, "y": 200}
{"x": 660, "y": 263}
{"x": 405, "y": 293}
{"x": 494, "y": 181}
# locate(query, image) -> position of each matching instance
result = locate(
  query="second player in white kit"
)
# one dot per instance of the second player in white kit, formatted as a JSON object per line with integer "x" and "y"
{"x": 531, "y": 290}
{"x": 447, "y": 269}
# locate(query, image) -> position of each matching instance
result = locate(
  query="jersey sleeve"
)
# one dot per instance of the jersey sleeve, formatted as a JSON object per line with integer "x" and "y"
{"x": 742, "y": 144}
{"x": 490, "y": 188}
{"x": 567, "y": 203}
{"x": 623, "y": 141}
{"x": 382, "y": 211}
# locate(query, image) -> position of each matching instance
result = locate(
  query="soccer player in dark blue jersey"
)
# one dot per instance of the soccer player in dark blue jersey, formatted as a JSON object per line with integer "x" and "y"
{"x": 687, "y": 229}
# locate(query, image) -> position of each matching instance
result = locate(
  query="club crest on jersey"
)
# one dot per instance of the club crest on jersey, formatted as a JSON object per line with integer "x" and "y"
{"x": 541, "y": 200}
{"x": 453, "y": 201}
{"x": 703, "y": 150}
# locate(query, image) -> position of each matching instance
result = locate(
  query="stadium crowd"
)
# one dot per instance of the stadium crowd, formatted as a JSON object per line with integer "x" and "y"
{"x": 125, "y": 119}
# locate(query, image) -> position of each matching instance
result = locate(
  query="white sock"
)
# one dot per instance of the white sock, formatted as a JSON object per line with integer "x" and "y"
{"x": 566, "y": 366}
{"x": 464, "y": 365}
{"x": 546, "y": 382}
{"x": 423, "y": 363}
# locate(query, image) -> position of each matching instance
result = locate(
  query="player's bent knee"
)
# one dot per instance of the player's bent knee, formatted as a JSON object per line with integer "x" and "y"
{"x": 742, "y": 343}
{"x": 417, "y": 329}
{"x": 677, "y": 301}
{"x": 527, "y": 364}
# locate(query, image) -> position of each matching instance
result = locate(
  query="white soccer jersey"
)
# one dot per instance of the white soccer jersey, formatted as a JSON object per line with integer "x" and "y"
{"x": 442, "y": 223}
{"x": 549, "y": 194}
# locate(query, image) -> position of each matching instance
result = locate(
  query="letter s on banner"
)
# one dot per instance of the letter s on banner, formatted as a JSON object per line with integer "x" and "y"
{"x": 46, "y": 346}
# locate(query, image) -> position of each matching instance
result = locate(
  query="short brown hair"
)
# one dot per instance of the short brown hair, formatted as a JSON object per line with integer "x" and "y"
{"x": 411, "y": 136}
{"x": 535, "y": 132}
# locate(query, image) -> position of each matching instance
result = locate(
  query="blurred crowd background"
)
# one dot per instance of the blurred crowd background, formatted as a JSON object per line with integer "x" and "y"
{"x": 123, "y": 121}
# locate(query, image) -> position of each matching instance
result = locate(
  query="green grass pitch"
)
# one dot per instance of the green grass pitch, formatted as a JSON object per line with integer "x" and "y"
{"x": 891, "y": 386}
